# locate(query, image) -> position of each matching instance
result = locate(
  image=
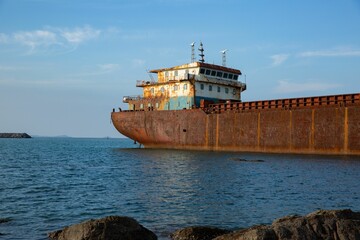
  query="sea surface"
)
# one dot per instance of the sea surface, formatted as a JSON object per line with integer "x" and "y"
{"x": 49, "y": 183}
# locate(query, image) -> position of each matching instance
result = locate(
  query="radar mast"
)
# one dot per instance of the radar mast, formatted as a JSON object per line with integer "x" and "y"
{"x": 201, "y": 49}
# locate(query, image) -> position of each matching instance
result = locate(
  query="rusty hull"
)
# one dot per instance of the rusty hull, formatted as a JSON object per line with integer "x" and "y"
{"x": 306, "y": 127}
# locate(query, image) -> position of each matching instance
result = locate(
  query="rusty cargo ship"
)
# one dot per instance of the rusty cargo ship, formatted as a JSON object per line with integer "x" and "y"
{"x": 198, "y": 106}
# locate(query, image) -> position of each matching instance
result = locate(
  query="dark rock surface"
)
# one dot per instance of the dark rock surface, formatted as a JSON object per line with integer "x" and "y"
{"x": 14, "y": 135}
{"x": 247, "y": 160}
{"x": 5, "y": 220}
{"x": 322, "y": 224}
{"x": 198, "y": 233}
{"x": 108, "y": 228}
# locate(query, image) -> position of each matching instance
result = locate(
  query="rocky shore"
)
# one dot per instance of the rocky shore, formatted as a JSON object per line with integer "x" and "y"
{"x": 14, "y": 135}
{"x": 322, "y": 224}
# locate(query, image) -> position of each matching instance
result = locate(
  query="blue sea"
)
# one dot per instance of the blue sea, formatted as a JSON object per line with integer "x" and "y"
{"x": 49, "y": 183}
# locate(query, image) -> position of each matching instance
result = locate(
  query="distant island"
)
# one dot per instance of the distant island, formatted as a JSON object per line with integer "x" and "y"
{"x": 14, "y": 135}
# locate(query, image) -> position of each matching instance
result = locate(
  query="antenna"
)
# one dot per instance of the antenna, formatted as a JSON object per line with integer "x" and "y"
{"x": 224, "y": 57}
{"x": 193, "y": 52}
{"x": 201, "y": 49}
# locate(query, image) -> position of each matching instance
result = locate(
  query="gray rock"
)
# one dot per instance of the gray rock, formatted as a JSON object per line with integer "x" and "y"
{"x": 198, "y": 233}
{"x": 322, "y": 224}
{"x": 108, "y": 228}
{"x": 14, "y": 135}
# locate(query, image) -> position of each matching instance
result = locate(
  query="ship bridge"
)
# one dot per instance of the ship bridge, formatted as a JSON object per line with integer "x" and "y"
{"x": 186, "y": 86}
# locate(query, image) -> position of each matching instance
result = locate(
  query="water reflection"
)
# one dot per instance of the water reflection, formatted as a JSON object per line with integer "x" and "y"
{"x": 194, "y": 187}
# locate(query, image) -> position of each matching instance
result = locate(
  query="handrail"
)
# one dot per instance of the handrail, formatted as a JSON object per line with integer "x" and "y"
{"x": 126, "y": 99}
{"x": 291, "y": 103}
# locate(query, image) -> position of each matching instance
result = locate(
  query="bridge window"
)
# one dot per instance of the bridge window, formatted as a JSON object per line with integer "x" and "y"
{"x": 225, "y": 75}
{"x": 219, "y": 74}
{"x": 230, "y": 75}
{"x": 202, "y": 70}
{"x": 236, "y": 77}
{"x": 207, "y": 72}
{"x": 210, "y": 88}
{"x": 213, "y": 73}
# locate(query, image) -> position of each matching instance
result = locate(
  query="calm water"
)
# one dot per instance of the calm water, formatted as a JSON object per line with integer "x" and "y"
{"x": 48, "y": 183}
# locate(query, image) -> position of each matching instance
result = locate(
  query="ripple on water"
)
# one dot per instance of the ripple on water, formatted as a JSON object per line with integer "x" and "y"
{"x": 46, "y": 184}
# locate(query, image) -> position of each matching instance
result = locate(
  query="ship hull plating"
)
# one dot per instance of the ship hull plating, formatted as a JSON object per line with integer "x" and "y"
{"x": 332, "y": 129}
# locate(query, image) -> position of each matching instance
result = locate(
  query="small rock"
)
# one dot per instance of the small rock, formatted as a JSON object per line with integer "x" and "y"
{"x": 197, "y": 233}
{"x": 108, "y": 228}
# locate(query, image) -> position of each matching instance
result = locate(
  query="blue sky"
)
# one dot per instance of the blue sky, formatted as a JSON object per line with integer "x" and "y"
{"x": 65, "y": 64}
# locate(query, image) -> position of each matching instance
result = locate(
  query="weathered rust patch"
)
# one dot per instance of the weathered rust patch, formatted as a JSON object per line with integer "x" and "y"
{"x": 321, "y": 125}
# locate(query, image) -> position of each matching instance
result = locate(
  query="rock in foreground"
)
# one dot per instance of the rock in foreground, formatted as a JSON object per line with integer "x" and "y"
{"x": 322, "y": 224}
{"x": 197, "y": 233}
{"x": 108, "y": 228}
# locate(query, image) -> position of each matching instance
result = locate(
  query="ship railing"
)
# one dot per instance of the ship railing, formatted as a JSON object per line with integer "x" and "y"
{"x": 141, "y": 83}
{"x": 180, "y": 77}
{"x": 286, "y": 104}
{"x": 126, "y": 99}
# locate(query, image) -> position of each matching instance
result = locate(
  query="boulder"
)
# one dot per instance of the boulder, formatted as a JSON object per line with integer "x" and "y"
{"x": 108, "y": 228}
{"x": 322, "y": 224}
{"x": 197, "y": 233}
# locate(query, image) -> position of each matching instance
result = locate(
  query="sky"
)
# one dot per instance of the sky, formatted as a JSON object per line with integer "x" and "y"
{"x": 64, "y": 64}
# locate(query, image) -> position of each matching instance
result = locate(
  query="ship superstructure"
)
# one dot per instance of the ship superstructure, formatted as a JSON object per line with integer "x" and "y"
{"x": 188, "y": 86}
{"x": 198, "y": 106}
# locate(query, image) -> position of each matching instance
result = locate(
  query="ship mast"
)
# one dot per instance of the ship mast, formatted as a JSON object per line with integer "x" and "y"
{"x": 201, "y": 49}
{"x": 193, "y": 52}
{"x": 223, "y": 52}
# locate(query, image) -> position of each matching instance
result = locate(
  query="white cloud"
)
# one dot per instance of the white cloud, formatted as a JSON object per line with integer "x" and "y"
{"x": 278, "y": 59}
{"x": 341, "y": 52}
{"x": 285, "y": 86}
{"x": 109, "y": 67}
{"x": 79, "y": 35}
{"x": 51, "y": 39}
{"x": 4, "y": 68}
{"x": 24, "y": 82}
{"x": 36, "y": 38}
{"x": 138, "y": 62}
{"x": 4, "y": 38}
